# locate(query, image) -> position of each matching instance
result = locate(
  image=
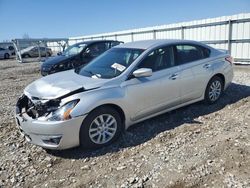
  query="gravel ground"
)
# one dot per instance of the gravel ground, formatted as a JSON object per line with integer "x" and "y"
{"x": 195, "y": 146}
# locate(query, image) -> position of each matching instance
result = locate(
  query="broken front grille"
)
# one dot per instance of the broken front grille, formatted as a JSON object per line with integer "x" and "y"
{"x": 36, "y": 108}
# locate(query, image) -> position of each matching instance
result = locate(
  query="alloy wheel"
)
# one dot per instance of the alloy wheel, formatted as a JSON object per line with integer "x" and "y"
{"x": 214, "y": 90}
{"x": 102, "y": 129}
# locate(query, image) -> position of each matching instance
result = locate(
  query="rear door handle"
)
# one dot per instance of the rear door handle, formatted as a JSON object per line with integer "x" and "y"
{"x": 173, "y": 76}
{"x": 206, "y": 66}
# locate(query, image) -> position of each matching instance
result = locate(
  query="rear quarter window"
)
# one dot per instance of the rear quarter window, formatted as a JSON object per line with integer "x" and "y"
{"x": 114, "y": 43}
{"x": 206, "y": 52}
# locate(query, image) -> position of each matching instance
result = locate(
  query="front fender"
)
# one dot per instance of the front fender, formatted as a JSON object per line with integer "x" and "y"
{"x": 92, "y": 99}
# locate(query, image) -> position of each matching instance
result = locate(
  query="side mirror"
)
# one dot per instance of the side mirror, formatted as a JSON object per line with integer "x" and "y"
{"x": 59, "y": 53}
{"x": 142, "y": 72}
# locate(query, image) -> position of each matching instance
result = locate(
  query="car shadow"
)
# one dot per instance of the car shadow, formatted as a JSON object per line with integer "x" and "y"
{"x": 148, "y": 129}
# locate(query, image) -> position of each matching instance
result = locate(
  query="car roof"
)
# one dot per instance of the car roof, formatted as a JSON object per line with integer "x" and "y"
{"x": 146, "y": 44}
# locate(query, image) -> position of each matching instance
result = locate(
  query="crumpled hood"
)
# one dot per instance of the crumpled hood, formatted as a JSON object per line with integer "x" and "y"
{"x": 57, "y": 59}
{"x": 59, "y": 84}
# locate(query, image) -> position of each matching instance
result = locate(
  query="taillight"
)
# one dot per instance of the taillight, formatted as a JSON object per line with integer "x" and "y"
{"x": 230, "y": 59}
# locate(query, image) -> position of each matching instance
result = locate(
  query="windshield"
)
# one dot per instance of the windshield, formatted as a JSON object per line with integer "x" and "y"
{"x": 74, "y": 49}
{"x": 110, "y": 64}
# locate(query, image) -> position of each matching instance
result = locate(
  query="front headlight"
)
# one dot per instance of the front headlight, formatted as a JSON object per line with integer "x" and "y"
{"x": 58, "y": 66}
{"x": 63, "y": 65}
{"x": 63, "y": 113}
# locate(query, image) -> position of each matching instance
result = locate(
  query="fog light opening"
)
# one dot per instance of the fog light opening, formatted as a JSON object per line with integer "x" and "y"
{"x": 52, "y": 140}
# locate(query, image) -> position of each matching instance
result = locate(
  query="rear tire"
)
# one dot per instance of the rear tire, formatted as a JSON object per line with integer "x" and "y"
{"x": 6, "y": 56}
{"x": 100, "y": 128}
{"x": 214, "y": 90}
{"x": 26, "y": 55}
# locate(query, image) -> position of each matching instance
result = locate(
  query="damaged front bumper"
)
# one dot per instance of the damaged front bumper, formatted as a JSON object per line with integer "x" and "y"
{"x": 49, "y": 134}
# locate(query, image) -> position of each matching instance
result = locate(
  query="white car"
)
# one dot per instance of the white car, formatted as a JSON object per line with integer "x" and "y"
{"x": 4, "y": 53}
{"x": 129, "y": 83}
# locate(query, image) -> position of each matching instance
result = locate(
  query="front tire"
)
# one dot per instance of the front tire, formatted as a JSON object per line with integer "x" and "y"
{"x": 26, "y": 55}
{"x": 214, "y": 90}
{"x": 100, "y": 128}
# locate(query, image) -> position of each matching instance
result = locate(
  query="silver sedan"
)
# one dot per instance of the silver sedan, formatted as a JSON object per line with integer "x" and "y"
{"x": 129, "y": 83}
{"x": 4, "y": 53}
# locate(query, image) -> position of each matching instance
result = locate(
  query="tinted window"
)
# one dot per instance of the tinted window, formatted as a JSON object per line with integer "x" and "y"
{"x": 158, "y": 59}
{"x": 188, "y": 53}
{"x": 11, "y": 48}
{"x": 206, "y": 52}
{"x": 115, "y": 43}
{"x": 97, "y": 49}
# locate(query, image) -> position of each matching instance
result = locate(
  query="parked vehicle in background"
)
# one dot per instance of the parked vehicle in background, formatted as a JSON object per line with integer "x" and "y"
{"x": 125, "y": 85}
{"x": 12, "y": 50}
{"x": 33, "y": 51}
{"x": 5, "y": 53}
{"x": 76, "y": 55}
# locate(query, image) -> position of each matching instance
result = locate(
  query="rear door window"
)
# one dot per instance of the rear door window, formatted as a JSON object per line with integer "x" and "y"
{"x": 159, "y": 59}
{"x": 186, "y": 53}
{"x": 97, "y": 49}
{"x": 114, "y": 43}
{"x": 11, "y": 48}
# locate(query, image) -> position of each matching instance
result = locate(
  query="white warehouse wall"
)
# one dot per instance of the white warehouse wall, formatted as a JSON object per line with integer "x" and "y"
{"x": 214, "y": 31}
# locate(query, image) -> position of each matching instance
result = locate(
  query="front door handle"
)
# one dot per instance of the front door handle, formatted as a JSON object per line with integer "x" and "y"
{"x": 173, "y": 76}
{"x": 206, "y": 66}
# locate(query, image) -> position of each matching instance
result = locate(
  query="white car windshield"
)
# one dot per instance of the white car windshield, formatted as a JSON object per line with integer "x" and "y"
{"x": 74, "y": 49}
{"x": 111, "y": 63}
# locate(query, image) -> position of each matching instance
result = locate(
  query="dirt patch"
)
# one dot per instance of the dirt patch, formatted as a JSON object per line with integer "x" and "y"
{"x": 195, "y": 146}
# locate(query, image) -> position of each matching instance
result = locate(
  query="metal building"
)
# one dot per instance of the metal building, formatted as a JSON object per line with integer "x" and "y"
{"x": 227, "y": 32}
